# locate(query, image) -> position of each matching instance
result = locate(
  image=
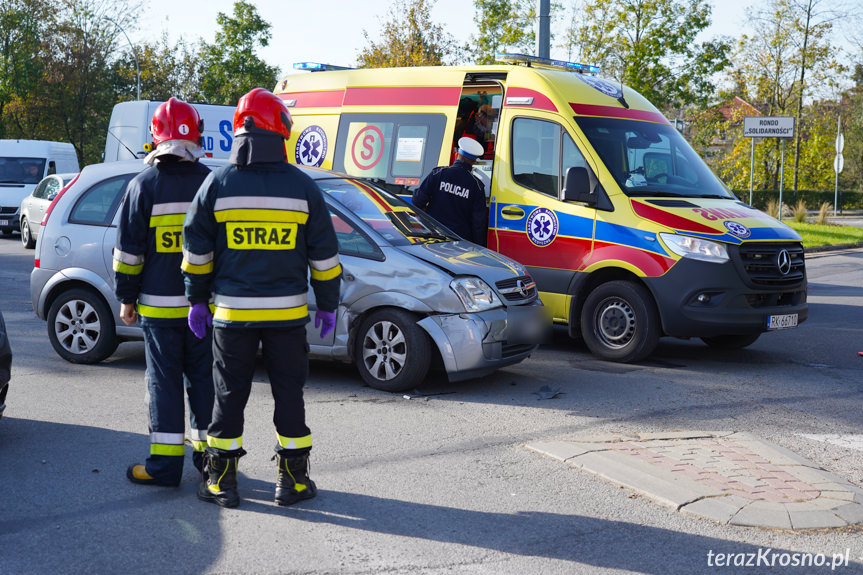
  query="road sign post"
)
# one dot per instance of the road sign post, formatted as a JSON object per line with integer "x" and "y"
{"x": 838, "y": 162}
{"x": 768, "y": 127}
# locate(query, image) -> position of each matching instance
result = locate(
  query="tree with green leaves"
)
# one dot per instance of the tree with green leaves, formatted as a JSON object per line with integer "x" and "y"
{"x": 23, "y": 24}
{"x": 852, "y": 128}
{"x": 503, "y": 25}
{"x": 776, "y": 64}
{"x": 230, "y": 67}
{"x": 167, "y": 69}
{"x": 650, "y": 46}
{"x": 409, "y": 38}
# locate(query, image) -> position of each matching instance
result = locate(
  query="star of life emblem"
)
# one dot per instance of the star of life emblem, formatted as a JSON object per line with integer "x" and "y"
{"x": 311, "y": 147}
{"x": 541, "y": 227}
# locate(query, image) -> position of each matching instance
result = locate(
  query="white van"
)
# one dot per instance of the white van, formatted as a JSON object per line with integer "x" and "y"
{"x": 129, "y": 130}
{"x": 23, "y": 164}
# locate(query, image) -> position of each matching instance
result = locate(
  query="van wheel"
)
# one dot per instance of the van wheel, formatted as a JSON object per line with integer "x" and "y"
{"x": 392, "y": 352}
{"x": 731, "y": 341}
{"x": 619, "y": 322}
{"x": 81, "y": 328}
{"x": 27, "y": 235}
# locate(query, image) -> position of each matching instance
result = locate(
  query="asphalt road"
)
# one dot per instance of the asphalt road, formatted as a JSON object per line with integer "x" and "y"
{"x": 433, "y": 482}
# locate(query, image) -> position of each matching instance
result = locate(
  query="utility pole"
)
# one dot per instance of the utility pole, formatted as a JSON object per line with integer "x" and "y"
{"x": 543, "y": 35}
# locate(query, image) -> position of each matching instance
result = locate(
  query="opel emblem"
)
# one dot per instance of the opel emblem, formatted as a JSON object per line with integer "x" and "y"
{"x": 783, "y": 262}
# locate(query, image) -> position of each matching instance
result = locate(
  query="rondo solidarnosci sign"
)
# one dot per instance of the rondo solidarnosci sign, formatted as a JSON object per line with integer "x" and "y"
{"x": 768, "y": 127}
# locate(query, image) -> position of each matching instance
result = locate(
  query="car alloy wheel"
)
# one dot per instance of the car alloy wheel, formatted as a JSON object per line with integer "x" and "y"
{"x": 80, "y": 327}
{"x": 392, "y": 352}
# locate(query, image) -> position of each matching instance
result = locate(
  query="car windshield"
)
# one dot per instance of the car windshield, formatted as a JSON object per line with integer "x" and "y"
{"x": 393, "y": 218}
{"x": 21, "y": 170}
{"x": 648, "y": 159}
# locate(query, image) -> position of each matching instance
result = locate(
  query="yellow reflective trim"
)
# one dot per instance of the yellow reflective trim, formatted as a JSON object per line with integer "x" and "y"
{"x": 127, "y": 269}
{"x": 198, "y": 445}
{"x": 284, "y": 314}
{"x": 163, "y": 312}
{"x": 162, "y": 449}
{"x": 251, "y": 215}
{"x": 167, "y": 220}
{"x": 326, "y": 274}
{"x": 225, "y": 444}
{"x": 261, "y": 236}
{"x": 193, "y": 269}
{"x": 294, "y": 442}
{"x": 169, "y": 239}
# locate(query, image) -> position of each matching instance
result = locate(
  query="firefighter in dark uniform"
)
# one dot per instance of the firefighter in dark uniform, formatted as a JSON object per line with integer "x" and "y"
{"x": 147, "y": 260}
{"x": 256, "y": 230}
{"x": 455, "y": 197}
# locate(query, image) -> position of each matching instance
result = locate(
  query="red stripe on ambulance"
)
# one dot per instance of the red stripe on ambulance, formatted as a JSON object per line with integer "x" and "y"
{"x": 403, "y": 96}
{"x": 615, "y": 112}
{"x": 322, "y": 99}
{"x": 540, "y": 100}
{"x": 649, "y": 263}
{"x": 671, "y": 220}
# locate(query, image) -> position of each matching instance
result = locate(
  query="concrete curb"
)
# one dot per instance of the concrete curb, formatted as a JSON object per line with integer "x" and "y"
{"x": 732, "y": 478}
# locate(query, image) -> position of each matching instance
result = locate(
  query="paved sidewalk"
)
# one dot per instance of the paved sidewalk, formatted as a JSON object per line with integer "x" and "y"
{"x": 732, "y": 478}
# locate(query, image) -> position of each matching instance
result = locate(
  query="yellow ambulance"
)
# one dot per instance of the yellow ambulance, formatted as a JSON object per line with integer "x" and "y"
{"x": 627, "y": 232}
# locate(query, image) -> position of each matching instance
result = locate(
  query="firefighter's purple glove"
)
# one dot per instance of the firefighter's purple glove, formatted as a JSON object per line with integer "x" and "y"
{"x": 199, "y": 318}
{"x": 326, "y": 320}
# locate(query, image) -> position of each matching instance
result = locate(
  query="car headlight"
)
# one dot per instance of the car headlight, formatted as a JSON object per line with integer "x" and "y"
{"x": 695, "y": 248}
{"x": 475, "y": 294}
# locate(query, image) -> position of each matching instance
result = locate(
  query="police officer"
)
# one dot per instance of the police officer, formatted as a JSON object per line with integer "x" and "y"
{"x": 256, "y": 229}
{"x": 147, "y": 260}
{"x": 455, "y": 197}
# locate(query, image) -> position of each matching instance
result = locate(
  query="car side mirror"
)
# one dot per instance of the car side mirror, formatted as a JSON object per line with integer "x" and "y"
{"x": 577, "y": 186}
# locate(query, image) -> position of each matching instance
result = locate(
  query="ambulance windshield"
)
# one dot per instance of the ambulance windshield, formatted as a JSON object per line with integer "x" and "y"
{"x": 648, "y": 159}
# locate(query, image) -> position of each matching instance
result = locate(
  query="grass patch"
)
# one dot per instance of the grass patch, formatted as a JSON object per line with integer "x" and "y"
{"x": 818, "y": 235}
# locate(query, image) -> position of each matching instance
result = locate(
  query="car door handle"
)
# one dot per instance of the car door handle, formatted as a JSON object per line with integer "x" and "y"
{"x": 512, "y": 213}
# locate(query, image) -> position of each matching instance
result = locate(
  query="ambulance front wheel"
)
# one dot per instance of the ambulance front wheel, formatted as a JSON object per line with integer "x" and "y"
{"x": 619, "y": 322}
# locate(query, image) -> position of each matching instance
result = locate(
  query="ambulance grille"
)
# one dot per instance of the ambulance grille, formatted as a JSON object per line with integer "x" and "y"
{"x": 765, "y": 264}
{"x": 522, "y": 288}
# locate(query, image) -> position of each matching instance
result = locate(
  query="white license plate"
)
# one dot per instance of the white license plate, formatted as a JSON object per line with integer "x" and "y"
{"x": 5, "y": 222}
{"x": 782, "y": 321}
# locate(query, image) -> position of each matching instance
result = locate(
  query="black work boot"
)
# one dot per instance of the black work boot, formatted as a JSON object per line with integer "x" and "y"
{"x": 293, "y": 483}
{"x": 219, "y": 483}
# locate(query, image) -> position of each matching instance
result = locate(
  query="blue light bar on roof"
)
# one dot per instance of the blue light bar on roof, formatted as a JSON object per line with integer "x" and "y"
{"x": 547, "y": 63}
{"x": 318, "y": 67}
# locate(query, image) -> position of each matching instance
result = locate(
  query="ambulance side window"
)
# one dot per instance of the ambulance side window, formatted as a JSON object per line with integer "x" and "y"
{"x": 541, "y": 153}
{"x": 399, "y": 149}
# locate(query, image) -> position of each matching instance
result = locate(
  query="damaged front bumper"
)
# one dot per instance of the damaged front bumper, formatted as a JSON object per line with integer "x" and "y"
{"x": 476, "y": 344}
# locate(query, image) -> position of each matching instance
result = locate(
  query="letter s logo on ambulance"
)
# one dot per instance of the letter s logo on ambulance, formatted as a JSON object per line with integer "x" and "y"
{"x": 541, "y": 227}
{"x": 311, "y": 147}
{"x": 367, "y": 147}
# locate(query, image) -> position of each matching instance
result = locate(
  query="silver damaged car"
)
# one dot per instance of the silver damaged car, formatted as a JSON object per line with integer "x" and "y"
{"x": 414, "y": 295}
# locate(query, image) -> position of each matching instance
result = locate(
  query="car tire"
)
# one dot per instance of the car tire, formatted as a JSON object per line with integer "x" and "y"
{"x": 392, "y": 352}
{"x": 731, "y": 341}
{"x": 27, "y": 235}
{"x": 81, "y": 327}
{"x": 619, "y": 322}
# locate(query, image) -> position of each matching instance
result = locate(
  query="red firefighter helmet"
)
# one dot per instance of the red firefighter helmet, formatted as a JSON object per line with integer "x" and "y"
{"x": 176, "y": 120}
{"x": 260, "y": 109}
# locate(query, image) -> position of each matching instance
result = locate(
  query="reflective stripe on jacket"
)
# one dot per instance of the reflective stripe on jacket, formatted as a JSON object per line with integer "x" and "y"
{"x": 253, "y": 236}
{"x": 148, "y": 251}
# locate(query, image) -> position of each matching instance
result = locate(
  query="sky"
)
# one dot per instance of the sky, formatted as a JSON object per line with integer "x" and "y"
{"x": 331, "y": 31}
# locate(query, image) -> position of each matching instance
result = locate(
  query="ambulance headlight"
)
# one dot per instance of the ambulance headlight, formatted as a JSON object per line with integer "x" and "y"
{"x": 475, "y": 294}
{"x": 695, "y": 248}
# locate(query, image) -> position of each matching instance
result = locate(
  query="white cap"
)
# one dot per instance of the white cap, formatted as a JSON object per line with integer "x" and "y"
{"x": 470, "y": 148}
